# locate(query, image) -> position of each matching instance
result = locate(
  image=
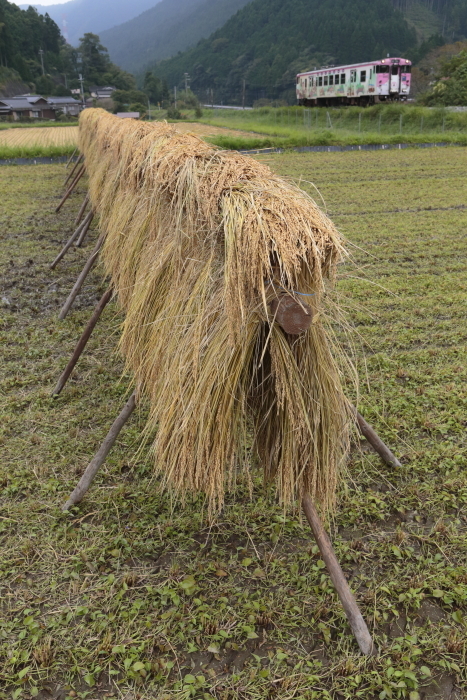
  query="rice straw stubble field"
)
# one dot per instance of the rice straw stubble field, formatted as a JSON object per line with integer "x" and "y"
{"x": 61, "y": 140}
{"x": 131, "y": 596}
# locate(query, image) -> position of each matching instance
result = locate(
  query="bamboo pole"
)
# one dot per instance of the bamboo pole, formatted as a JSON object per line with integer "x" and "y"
{"x": 71, "y": 158}
{"x": 375, "y": 441}
{"x": 82, "y": 342}
{"x": 79, "y": 282}
{"x": 85, "y": 229}
{"x": 354, "y": 616}
{"x": 82, "y": 210}
{"x": 68, "y": 244}
{"x": 71, "y": 188}
{"x": 70, "y": 174}
{"x": 93, "y": 467}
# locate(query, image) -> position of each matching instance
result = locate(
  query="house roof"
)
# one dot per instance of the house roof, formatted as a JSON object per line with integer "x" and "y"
{"x": 24, "y": 101}
{"x": 62, "y": 101}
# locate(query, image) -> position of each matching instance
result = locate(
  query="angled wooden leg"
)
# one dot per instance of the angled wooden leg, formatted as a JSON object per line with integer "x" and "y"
{"x": 79, "y": 282}
{"x": 82, "y": 210}
{"x": 71, "y": 158}
{"x": 72, "y": 171}
{"x": 69, "y": 243}
{"x": 71, "y": 188}
{"x": 354, "y": 616}
{"x": 94, "y": 466}
{"x": 375, "y": 441}
{"x": 82, "y": 342}
{"x": 85, "y": 229}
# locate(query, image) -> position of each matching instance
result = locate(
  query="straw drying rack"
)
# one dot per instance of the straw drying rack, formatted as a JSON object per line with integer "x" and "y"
{"x": 282, "y": 309}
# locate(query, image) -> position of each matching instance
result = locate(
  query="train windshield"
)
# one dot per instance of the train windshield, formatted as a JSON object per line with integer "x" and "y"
{"x": 395, "y": 70}
{"x": 406, "y": 69}
{"x": 382, "y": 69}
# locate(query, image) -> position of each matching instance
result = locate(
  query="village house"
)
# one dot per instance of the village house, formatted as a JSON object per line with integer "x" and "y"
{"x": 37, "y": 107}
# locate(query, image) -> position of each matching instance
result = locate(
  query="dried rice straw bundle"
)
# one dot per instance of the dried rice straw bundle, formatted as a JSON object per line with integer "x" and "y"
{"x": 199, "y": 244}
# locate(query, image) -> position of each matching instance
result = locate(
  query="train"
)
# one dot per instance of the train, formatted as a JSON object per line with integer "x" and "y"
{"x": 356, "y": 84}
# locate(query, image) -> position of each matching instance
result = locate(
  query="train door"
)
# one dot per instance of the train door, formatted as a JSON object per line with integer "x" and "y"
{"x": 395, "y": 79}
{"x": 351, "y": 86}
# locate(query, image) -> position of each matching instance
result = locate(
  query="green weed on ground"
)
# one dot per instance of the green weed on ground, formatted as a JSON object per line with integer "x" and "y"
{"x": 131, "y": 595}
{"x": 35, "y": 124}
{"x": 36, "y": 151}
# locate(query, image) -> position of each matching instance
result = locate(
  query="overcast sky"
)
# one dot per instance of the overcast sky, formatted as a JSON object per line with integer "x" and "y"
{"x": 41, "y": 2}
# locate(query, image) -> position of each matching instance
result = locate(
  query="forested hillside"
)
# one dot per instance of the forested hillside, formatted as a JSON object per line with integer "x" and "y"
{"x": 92, "y": 15}
{"x": 24, "y": 33}
{"x": 169, "y": 27}
{"x": 268, "y": 41}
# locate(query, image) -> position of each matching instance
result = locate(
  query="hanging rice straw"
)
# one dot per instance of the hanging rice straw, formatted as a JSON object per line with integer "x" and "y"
{"x": 199, "y": 242}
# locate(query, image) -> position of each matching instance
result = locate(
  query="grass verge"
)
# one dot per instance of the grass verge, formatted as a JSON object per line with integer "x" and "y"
{"x": 9, "y": 152}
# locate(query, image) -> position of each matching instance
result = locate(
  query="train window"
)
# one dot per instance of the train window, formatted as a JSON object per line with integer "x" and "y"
{"x": 320, "y": 80}
{"x": 363, "y": 76}
{"x": 325, "y": 79}
{"x": 406, "y": 69}
{"x": 353, "y": 76}
{"x": 382, "y": 69}
{"x": 394, "y": 70}
{"x": 331, "y": 80}
{"x": 342, "y": 78}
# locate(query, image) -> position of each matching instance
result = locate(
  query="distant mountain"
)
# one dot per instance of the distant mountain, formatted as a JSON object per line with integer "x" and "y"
{"x": 94, "y": 16}
{"x": 162, "y": 31}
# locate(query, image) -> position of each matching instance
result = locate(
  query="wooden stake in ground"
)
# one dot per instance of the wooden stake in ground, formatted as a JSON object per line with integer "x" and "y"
{"x": 71, "y": 173}
{"x": 82, "y": 210}
{"x": 82, "y": 342}
{"x": 93, "y": 466}
{"x": 69, "y": 243}
{"x": 71, "y": 158}
{"x": 79, "y": 282}
{"x": 85, "y": 229}
{"x": 72, "y": 187}
{"x": 356, "y": 621}
{"x": 376, "y": 442}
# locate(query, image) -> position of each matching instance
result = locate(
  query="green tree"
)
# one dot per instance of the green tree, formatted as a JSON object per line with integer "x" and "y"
{"x": 94, "y": 57}
{"x": 450, "y": 87}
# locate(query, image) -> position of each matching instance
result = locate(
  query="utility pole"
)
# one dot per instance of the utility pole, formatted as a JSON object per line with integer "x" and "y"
{"x": 80, "y": 78}
{"x": 243, "y": 95}
{"x": 149, "y": 110}
{"x": 175, "y": 96}
{"x": 41, "y": 54}
{"x": 66, "y": 81}
{"x": 212, "y": 98}
{"x": 187, "y": 80}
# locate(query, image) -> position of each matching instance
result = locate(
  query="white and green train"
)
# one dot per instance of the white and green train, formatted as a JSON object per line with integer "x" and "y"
{"x": 356, "y": 84}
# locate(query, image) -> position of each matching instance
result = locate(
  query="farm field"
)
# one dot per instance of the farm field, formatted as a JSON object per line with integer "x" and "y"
{"x": 46, "y": 141}
{"x": 39, "y": 136}
{"x": 130, "y": 595}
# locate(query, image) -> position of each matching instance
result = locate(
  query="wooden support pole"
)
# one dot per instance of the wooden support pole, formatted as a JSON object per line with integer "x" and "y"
{"x": 68, "y": 244}
{"x": 79, "y": 282}
{"x": 85, "y": 229}
{"x": 93, "y": 466}
{"x": 72, "y": 171}
{"x": 356, "y": 621}
{"x": 82, "y": 210}
{"x": 71, "y": 158}
{"x": 71, "y": 188}
{"x": 376, "y": 442}
{"x": 82, "y": 342}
